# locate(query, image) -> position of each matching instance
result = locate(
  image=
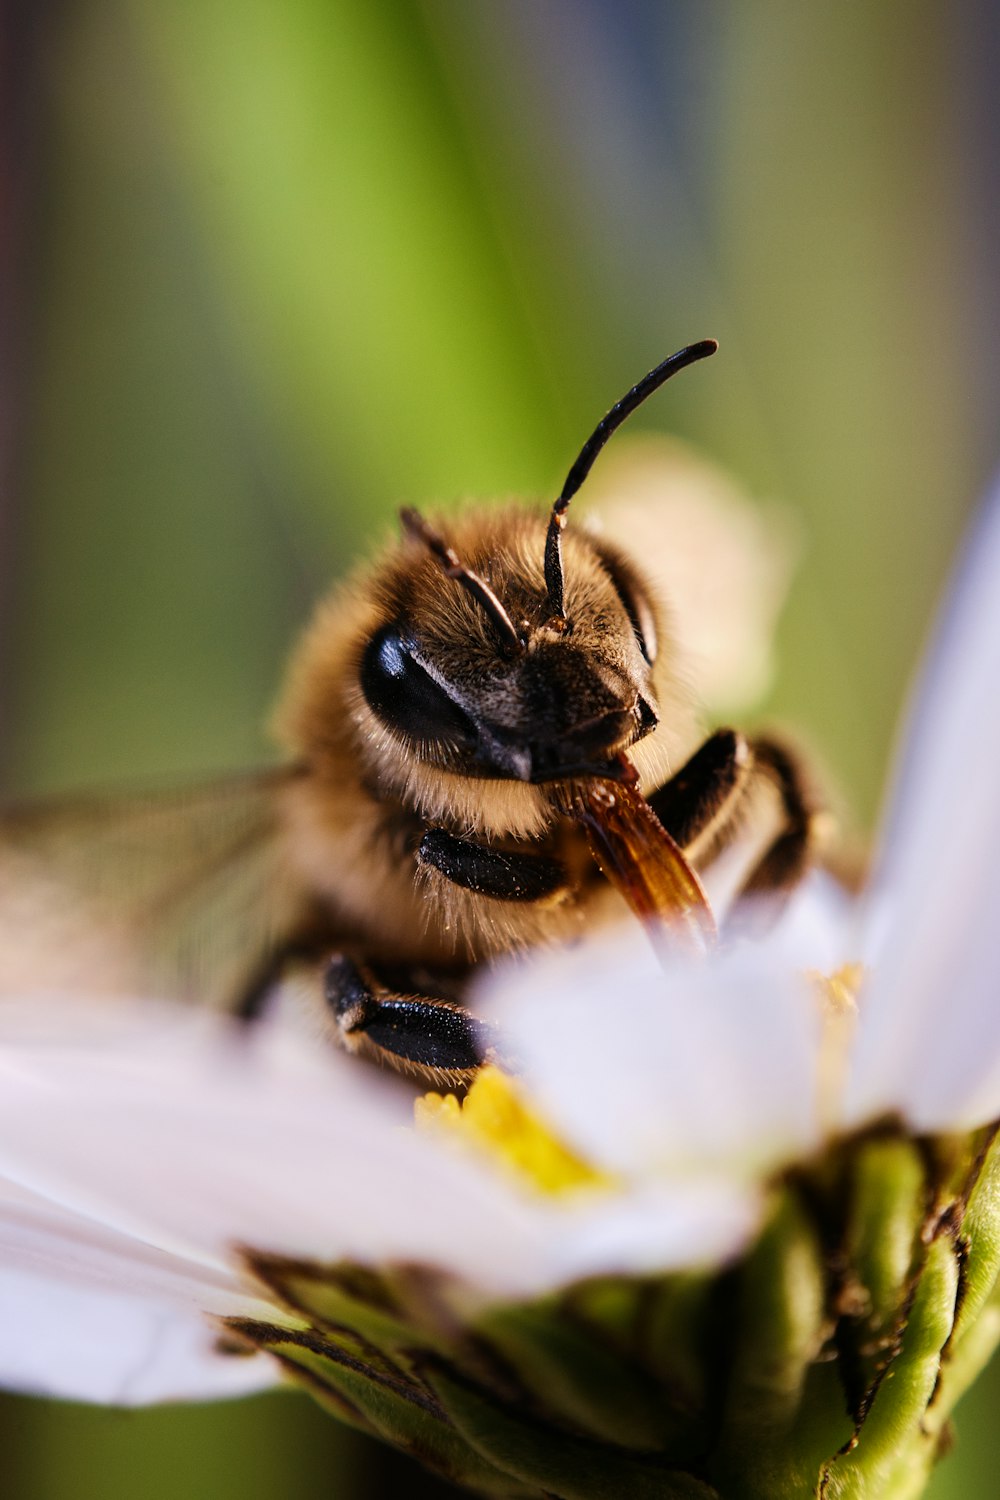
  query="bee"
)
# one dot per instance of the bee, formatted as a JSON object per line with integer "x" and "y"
{"x": 489, "y": 747}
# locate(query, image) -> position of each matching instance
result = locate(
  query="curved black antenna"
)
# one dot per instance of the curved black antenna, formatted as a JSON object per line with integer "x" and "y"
{"x": 592, "y": 447}
{"x": 414, "y": 525}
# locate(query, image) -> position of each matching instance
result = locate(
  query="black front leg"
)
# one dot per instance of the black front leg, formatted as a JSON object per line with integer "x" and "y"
{"x": 807, "y": 823}
{"x": 257, "y": 990}
{"x": 705, "y": 788}
{"x": 435, "y": 1040}
{"x": 491, "y": 872}
{"x": 712, "y": 800}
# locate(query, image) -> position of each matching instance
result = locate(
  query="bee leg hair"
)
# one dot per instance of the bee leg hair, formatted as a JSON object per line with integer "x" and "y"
{"x": 710, "y": 803}
{"x": 787, "y": 858}
{"x": 258, "y": 988}
{"x": 702, "y": 792}
{"x": 435, "y": 1041}
{"x": 491, "y": 872}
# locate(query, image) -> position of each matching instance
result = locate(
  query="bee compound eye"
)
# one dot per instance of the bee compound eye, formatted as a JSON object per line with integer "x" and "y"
{"x": 635, "y": 601}
{"x": 647, "y": 716}
{"x": 404, "y": 695}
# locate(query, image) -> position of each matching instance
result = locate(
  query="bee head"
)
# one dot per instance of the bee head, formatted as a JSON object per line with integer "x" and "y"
{"x": 549, "y": 681}
{"x": 505, "y": 651}
{"x": 486, "y": 680}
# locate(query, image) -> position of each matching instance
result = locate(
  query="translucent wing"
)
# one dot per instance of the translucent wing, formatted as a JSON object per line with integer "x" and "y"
{"x": 181, "y": 894}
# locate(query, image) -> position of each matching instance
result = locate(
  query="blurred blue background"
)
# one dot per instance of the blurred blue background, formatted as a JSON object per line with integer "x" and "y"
{"x": 271, "y": 270}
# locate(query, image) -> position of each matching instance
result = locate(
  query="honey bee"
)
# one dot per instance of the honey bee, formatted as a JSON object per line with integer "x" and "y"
{"x": 483, "y": 732}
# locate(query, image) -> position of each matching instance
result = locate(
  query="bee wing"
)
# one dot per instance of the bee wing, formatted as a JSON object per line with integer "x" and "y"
{"x": 181, "y": 894}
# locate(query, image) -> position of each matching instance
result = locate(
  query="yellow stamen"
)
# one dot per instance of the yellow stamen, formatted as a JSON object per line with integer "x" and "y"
{"x": 495, "y": 1118}
{"x": 840, "y": 990}
{"x": 838, "y": 997}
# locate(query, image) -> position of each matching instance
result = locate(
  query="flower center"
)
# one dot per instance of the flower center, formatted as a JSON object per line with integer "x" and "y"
{"x": 495, "y": 1119}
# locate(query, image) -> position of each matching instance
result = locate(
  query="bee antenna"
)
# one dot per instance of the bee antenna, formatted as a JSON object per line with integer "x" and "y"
{"x": 414, "y": 525}
{"x": 608, "y": 425}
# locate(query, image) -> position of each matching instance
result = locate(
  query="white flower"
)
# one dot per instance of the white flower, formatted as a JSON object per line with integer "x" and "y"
{"x": 719, "y": 1068}
{"x": 136, "y": 1152}
{"x": 129, "y": 1172}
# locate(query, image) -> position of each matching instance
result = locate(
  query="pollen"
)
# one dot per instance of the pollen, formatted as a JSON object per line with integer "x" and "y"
{"x": 495, "y": 1119}
{"x": 839, "y": 991}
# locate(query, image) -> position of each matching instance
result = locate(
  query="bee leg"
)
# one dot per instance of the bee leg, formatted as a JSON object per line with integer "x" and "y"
{"x": 257, "y": 991}
{"x": 711, "y": 803}
{"x": 436, "y": 1041}
{"x": 702, "y": 794}
{"x": 786, "y": 859}
{"x": 491, "y": 872}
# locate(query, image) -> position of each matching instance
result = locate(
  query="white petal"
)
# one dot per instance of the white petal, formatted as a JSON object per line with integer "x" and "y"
{"x": 193, "y": 1151}
{"x": 113, "y": 1349}
{"x": 706, "y": 1068}
{"x": 929, "y": 1040}
{"x": 659, "y": 1227}
{"x": 90, "y": 1315}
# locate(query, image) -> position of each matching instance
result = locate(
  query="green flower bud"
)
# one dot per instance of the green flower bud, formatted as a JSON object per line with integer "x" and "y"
{"x": 824, "y": 1364}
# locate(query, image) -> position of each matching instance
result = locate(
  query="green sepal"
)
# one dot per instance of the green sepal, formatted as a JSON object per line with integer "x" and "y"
{"x": 976, "y": 1331}
{"x": 572, "y": 1367}
{"x": 784, "y": 1409}
{"x": 887, "y": 1206}
{"x": 678, "y": 1323}
{"x": 664, "y": 1329}
{"x": 825, "y": 1364}
{"x": 980, "y": 1232}
{"x": 337, "y": 1296}
{"x": 896, "y": 1443}
{"x": 560, "y": 1463}
{"x": 382, "y": 1399}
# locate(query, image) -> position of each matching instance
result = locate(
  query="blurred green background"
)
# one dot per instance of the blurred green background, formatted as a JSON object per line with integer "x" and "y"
{"x": 272, "y": 269}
